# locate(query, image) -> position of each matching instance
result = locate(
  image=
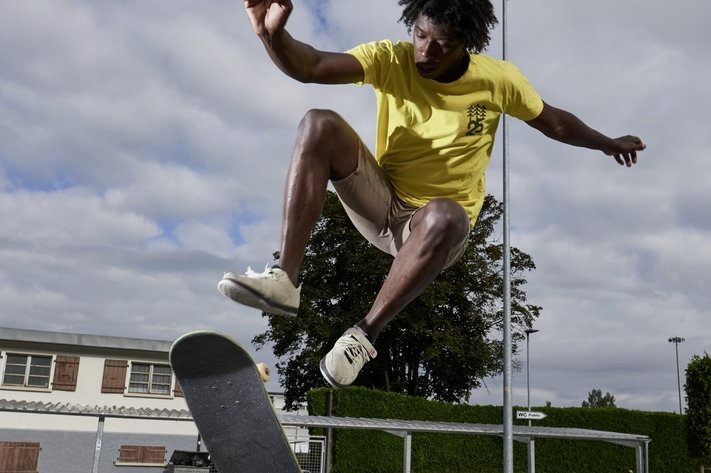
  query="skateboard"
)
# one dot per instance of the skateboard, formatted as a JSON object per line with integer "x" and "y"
{"x": 230, "y": 406}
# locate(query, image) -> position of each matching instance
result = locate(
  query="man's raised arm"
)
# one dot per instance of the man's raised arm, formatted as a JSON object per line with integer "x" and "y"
{"x": 565, "y": 127}
{"x": 298, "y": 60}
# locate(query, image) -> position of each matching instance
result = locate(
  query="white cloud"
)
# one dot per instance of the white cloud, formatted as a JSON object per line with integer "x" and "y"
{"x": 68, "y": 217}
{"x": 197, "y": 236}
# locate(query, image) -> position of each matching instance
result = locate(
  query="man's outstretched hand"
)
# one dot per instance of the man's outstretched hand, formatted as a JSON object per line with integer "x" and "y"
{"x": 268, "y": 16}
{"x": 624, "y": 149}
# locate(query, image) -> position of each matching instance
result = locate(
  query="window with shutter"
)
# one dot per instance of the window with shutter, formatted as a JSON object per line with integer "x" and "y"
{"x": 66, "y": 372}
{"x": 19, "y": 457}
{"x": 114, "y": 379}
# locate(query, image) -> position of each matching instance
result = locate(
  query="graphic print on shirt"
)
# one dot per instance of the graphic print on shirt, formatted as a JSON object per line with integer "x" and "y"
{"x": 476, "y": 115}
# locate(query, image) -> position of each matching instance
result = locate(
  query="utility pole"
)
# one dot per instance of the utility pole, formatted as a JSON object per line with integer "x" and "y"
{"x": 676, "y": 341}
{"x": 531, "y": 443}
{"x": 508, "y": 408}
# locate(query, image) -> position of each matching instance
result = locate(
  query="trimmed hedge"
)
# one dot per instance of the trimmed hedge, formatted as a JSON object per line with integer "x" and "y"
{"x": 698, "y": 414}
{"x": 369, "y": 451}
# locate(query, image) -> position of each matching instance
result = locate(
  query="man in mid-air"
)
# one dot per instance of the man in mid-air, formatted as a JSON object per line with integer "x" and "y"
{"x": 439, "y": 100}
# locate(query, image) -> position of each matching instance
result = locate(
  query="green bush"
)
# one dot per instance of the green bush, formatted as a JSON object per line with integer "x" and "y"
{"x": 364, "y": 451}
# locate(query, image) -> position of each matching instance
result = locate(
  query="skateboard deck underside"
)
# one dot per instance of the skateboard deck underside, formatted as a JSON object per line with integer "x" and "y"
{"x": 230, "y": 406}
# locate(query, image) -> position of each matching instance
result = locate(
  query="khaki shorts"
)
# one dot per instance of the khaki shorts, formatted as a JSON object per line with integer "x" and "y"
{"x": 375, "y": 209}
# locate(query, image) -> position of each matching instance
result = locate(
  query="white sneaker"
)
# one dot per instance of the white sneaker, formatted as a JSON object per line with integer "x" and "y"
{"x": 342, "y": 364}
{"x": 270, "y": 291}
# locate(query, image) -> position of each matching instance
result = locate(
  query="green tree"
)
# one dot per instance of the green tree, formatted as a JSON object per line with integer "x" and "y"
{"x": 596, "y": 399}
{"x": 698, "y": 400}
{"x": 440, "y": 346}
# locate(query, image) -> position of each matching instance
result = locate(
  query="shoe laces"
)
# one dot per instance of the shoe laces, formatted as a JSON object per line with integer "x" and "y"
{"x": 255, "y": 275}
{"x": 353, "y": 350}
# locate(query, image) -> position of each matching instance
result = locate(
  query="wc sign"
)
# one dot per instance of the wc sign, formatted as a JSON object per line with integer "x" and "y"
{"x": 530, "y": 415}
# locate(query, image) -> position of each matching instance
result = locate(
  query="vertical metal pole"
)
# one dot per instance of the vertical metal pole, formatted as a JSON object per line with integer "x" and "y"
{"x": 329, "y": 433}
{"x": 508, "y": 409}
{"x": 97, "y": 449}
{"x": 646, "y": 456}
{"x": 531, "y": 442}
{"x": 528, "y": 374}
{"x": 407, "y": 456}
{"x": 531, "y": 454}
{"x": 678, "y": 377}
{"x": 676, "y": 341}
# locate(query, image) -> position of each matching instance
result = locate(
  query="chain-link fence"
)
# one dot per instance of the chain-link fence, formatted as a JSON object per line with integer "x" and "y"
{"x": 312, "y": 459}
{"x": 310, "y": 453}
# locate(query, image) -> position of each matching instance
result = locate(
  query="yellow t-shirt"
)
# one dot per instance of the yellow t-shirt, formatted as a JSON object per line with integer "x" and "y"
{"x": 435, "y": 139}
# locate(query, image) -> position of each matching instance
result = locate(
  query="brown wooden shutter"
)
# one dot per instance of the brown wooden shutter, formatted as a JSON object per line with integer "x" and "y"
{"x": 66, "y": 371}
{"x": 153, "y": 455}
{"x": 178, "y": 391}
{"x": 141, "y": 454}
{"x": 114, "y": 379}
{"x": 19, "y": 457}
{"x": 128, "y": 454}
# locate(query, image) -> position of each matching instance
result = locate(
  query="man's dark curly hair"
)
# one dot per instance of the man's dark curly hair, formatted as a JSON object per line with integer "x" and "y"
{"x": 471, "y": 19}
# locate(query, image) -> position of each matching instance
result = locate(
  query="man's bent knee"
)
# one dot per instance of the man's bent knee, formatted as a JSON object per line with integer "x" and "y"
{"x": 447, "y": 219}
{"x": 322, "y": 123}
{"x": 325, "y": 133}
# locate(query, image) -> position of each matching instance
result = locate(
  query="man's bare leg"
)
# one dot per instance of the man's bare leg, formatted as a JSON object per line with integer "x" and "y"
{"x": 326, "y": 148}
{"x": 436, "y": 230}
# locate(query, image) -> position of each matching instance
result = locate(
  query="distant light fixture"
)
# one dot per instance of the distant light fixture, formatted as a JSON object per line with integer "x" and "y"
{"x": 676, "y": 341}
{"x": 531, "y": 447}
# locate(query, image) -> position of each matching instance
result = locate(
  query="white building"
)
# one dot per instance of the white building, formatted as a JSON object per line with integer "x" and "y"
{"x": 74, "y": 402}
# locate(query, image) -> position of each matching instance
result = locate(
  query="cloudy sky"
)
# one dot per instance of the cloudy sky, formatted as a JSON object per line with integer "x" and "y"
{"x": 143, "y": 147}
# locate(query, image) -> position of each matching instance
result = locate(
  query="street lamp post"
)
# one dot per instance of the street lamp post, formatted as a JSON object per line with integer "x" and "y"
{"x": 528, "y": 331}
{"x": 676, "y": 341}
{"x": 531, "y": 445}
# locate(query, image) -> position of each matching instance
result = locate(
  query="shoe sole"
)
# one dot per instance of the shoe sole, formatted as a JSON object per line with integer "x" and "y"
{"x": 247, "y": 296}
{"x": 327, "y": 376}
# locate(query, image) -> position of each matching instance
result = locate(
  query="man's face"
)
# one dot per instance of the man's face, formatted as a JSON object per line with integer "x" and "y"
{"x": 439, "y": 52}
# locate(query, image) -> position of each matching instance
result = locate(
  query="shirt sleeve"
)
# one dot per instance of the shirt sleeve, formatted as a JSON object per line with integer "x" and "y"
{"x": 522, "y": 100}
{"x": 376, "y": 58}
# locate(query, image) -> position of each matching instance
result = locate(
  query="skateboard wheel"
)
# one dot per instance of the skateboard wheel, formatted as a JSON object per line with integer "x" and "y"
{"x": 263, "y": 371}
